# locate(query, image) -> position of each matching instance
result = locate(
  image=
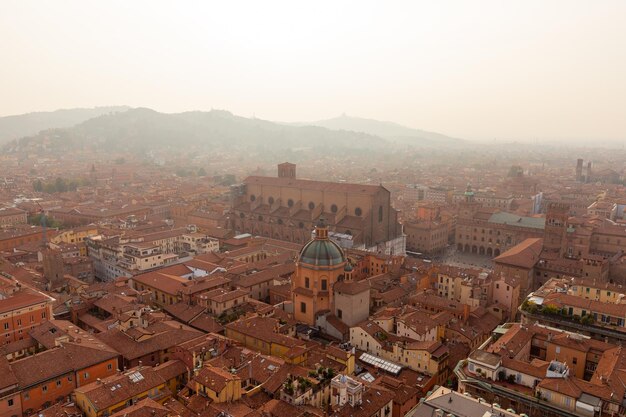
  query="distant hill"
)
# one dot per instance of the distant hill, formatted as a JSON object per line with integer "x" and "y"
{"x": 144, "y": 130}
{"x": 14, "y": 127}
{"x": 387, "y": 130}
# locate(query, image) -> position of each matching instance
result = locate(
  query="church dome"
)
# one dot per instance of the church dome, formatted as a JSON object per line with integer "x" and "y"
{"x": 321, "y": 251}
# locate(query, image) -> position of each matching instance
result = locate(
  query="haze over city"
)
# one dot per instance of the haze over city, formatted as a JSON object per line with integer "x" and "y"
{"x": 322, "y": 209}
{"x": 520, "y": 70}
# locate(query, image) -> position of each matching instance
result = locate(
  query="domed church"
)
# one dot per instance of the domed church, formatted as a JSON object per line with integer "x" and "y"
{"x": 322, "y": 286}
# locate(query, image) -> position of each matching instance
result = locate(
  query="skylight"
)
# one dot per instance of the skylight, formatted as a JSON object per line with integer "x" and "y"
{"x": 135, "y": 377}
{"x": 381, "y": 363}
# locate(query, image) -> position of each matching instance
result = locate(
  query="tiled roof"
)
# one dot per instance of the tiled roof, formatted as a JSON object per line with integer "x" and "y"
{"x": 214, "y": 378}
{"x": 69, "y": 357}
{"x": 121, "y": 387}
{"x": 314, "y": 185}
{"x": 22, "y": 299}
{"x": 8, "y": 378}
{"x": 526, "y": 254}
{"x": 351, "y": 288}
{"x": 164, "y": 335}
{"x": 374, "y": 399}
{"x": 515, "y": 220}
{"x": 263, "y": 328}
{"x": 144, "y": 408}
{"x": 567, "y": 300}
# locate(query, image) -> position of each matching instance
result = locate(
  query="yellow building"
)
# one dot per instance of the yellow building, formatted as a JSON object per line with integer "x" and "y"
{"x": 220, "y": 300}
{"x": 112, "y": 394}
{"x": 165, "y": 288}
{"x": 430, "y": 357}
{"x": 217, "y": 384}
{"x": 605, "y": 293}
{"x": 345, "y": 357}
{"x": 76, "y": 235}
{"x": 262, "y": 334}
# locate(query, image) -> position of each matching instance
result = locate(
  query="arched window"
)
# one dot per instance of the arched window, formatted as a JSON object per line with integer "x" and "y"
{"x": 301, "y": 225}
{"x": 290, "y": 202}
{"x": 252, "y": 197}
{"x": 270, "y": 200}
{"x": 333, "y": 208}
{"x": 241, "y": 215}
{"x": 311, "y": 205}
{"x": 380, "y": 214}
{"x": 358, "y": 211}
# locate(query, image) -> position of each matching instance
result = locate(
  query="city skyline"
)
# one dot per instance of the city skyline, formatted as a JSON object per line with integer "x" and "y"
{"x": 527, "y": 71}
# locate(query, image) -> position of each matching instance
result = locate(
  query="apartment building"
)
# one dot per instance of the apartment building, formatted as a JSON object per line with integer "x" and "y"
{"x": 543, "y": 371}
{"x": 591, "y": 307}
{"x": 423, "y": 356}
{"x": 133, "y": 253}
{"x": 112, "y": 394}
{"x": 20, "y": 312}
{"x": 65, "y": 358}
{"x": 12, "y": 217}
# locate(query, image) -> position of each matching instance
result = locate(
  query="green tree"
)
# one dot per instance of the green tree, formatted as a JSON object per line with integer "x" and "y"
{"x": 50, "y": 222}
{"x": 201, "y": 172}
{"x": 529, "y": 306}
{"x": 551, "y": 310}
{"x": 229, "y": 179}
{"x": 516, "y": 171}
{"x": 60, "y": 185}
{"x": 49, "y": 188}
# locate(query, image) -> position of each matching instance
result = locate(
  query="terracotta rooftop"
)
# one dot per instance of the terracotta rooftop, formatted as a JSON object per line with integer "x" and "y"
{"x": 314, "y": 185}
{"x": 214, "y": 378}
{"x": 21, "y": 299}
{"x": 525, "y": 254}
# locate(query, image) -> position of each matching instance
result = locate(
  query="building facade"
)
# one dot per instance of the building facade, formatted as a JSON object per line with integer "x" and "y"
{"x": 286, "y": 208}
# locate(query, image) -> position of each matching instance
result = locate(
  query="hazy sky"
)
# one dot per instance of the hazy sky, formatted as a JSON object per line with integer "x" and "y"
{"x": 474, "y": 69}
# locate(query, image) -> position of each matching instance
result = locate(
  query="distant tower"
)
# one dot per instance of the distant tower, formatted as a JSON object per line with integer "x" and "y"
{"x": 588, "y": 171}
{"x": 556, "y": 227}
{"x": 287, "y": 170}
{"x": 92, "y": 175}
{"x": 53, "y": 269}
{"x": 579, "y": 170}
{"x": 469, "y": 206}
{"x": 469, "y": 194}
